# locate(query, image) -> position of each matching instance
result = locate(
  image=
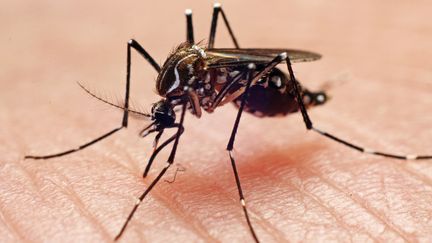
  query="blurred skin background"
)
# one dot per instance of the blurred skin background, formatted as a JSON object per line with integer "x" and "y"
{"x": 299, "y": 186}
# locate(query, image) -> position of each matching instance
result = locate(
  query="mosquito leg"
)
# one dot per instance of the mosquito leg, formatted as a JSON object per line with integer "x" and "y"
{"x": 74, "y": 150}
{"x": 189, "y": 27}
{"x": 135, "y": 45}
{"x": 230, "y": 147}
{"x": 156, "y": 152}
{"x": 170, "y": 161}
{"x": 224, "y": 91}
{"x": 156, "y": 139}
{"x": 217, "y": 8}
{"x": 131, "y": 44}
{"x": 251, "y": 79}
{"x": 146, "y": 131}
{"x": 310, "y": 126}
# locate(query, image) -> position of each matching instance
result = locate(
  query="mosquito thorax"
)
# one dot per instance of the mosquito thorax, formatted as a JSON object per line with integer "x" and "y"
{"x": 184, "y": 67}
{"x": 163, "y": 114}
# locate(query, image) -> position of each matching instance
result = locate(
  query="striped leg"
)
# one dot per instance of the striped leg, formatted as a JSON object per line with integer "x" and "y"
{"x": 189, "y": 27}
{"x": 217, "y": 8}
{"x": 251, "y": 79}
{"x": 131, "y": 44}
{"x": 170, "y": 161}
{"x": 310, "y": 126}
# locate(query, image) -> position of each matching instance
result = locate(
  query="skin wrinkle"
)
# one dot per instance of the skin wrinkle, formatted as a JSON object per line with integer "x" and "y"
{"x": 401, "y": 164}
{"x": 338, "y": 219}
{"x": 196, "y": 227}
{"x": 11, "y": 227}
{"x": 10, "y": 223}
{"x": 176, "y": 209}
{"x": 389, "y": 213}
{"x": 264, "y": 224}
{"x": 360, "y": 201}
{"x": 156, "y": 195}
{"x": 323, "y": 205}
{"x": 224, "y": 193}
{"x": 32, "y": 178}
{"x": 34, "y": 183}
{"x": 73, "y": 196}
{"x": 131, "y": 165}
{"x": 159, "y": 196}
{"x": 404, "y": 166}
{"x": 385, "y": 190}
{"x": 335, "y": 215}
{"x": 407, "y": 198}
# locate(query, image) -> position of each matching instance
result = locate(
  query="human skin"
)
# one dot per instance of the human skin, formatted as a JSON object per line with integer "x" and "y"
{"x": 299, "y": 186}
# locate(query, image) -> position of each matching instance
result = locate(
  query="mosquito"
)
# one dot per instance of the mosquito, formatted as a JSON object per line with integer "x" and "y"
{"x": 196, "y": 77}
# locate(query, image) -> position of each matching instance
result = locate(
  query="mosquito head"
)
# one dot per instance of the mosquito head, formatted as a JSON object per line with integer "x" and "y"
{"x": 183, "y": 67}
{"x": 163, "y": 114}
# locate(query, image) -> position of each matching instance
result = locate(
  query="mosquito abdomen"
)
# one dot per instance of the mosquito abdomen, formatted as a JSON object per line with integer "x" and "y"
{"x": 274, "y": 96}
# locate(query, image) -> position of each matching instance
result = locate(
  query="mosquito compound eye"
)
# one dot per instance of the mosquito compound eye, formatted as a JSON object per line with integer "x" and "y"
{"x": 163, "y": 113}
{"x": 166, "y": 119}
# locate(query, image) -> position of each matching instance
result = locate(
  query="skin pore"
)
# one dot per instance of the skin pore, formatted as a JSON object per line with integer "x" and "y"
{"x": 298, "y": 185}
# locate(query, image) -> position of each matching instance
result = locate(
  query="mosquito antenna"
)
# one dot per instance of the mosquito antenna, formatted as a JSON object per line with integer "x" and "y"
{"x": 110, "y": 103}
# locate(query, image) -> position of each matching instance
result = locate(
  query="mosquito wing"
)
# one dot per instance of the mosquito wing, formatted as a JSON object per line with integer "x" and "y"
{"x": 228, "y": 57}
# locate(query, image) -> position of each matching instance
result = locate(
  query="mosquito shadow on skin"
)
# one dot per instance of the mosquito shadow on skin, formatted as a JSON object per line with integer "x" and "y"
{"x": 263, "y": 167}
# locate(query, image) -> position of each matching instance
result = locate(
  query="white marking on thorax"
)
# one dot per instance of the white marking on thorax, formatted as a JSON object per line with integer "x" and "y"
{"x": 200, "y": 91}
{"x": 221, "y": 79}
{"x": 177, "y": 80}
{"x": 191, "y": 80}
{"x": 207, "y": 79}
{"x": 190, "y": 68}
{"x": 200, "y": 50}
{"x": 277, "y": 81}
{"x": 234, "y": 73}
